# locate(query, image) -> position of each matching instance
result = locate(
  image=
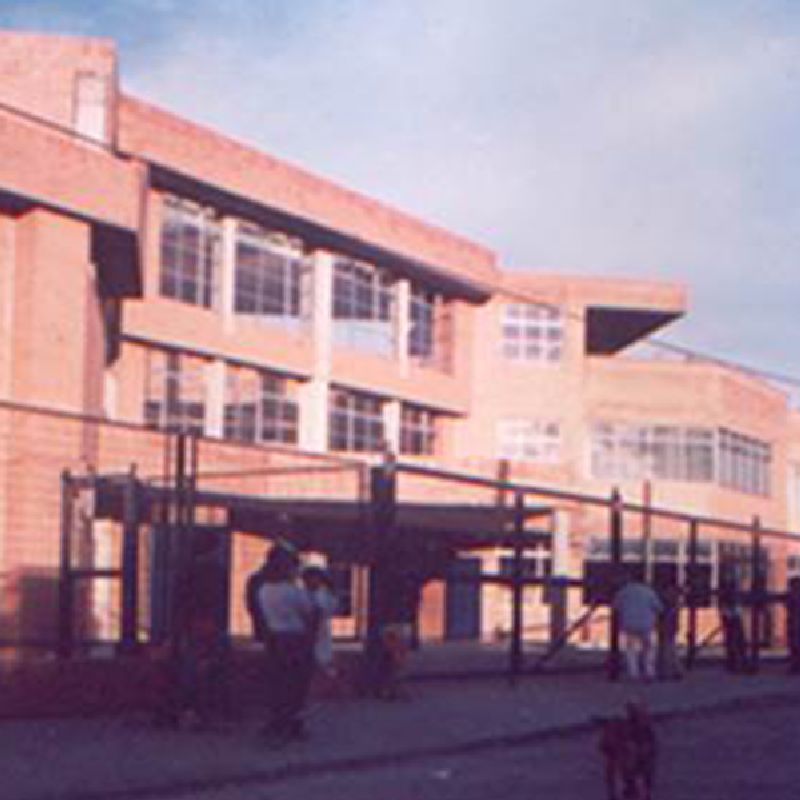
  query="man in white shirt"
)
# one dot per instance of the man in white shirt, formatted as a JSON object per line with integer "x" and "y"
{"x": 290, "y": 620}
{"x": 638, "y": 608}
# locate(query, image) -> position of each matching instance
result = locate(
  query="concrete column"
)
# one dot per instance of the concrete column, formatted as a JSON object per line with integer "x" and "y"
{"x": 314, "y": 394}
{"x": 313, "y": 398}
{"x": 322, "y": 311}
{"x": 215, "y": 398}
{"x": 227, "y": 278}
{"x": 391, "y": 424}
{"x": 560, "y": 547}
{"x": 403, "y": 323}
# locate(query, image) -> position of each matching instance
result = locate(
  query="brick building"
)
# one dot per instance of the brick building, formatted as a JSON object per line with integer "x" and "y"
{"x": 156, "y": 275}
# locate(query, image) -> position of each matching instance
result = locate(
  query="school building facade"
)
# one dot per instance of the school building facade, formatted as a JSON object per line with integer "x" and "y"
{"x": 156, "y": 274}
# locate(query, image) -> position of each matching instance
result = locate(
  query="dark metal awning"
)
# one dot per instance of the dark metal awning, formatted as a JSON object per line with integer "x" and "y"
{"x": 610, "y": 329}
{"x": 341, "y": 525}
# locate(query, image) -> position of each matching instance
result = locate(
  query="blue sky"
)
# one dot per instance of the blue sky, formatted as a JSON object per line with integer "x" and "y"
{"x": 645, "y": 138}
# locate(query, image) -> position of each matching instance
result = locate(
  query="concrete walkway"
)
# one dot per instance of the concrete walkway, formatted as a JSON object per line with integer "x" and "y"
{"x": 121, "y": 758}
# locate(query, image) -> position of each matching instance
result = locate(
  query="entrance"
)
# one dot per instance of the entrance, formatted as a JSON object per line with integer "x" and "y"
{"x": 463, "y": 600}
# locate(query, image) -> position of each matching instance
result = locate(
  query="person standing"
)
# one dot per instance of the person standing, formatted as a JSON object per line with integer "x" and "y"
{"x": 669, "y": 665}
{"x": 638, "y": 608}
{"x": 320, "y": 588}
{"x": 289, "y": 615}
{"x": 793, "y": 624}
{"x": 730, "y": 615}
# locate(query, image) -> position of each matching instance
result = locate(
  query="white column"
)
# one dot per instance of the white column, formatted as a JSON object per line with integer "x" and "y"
{"x": 558, "y": 592}
{"x": 314, "y": 394}
{"x": 560, "y": 543}
{"x": 227, "y": 278}
{"x": 391, "y": 424}
{"x": 215, "y": 398}
{"x": 403, "y": 323}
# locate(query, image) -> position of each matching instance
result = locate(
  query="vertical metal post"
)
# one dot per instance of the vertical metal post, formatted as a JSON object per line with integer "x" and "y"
{"x": 383, "y": 499}
{"x": 65, "y": 594}
{"x": 615, "y": 536}
{"x": 130, "y": 565}
{"x": 691, "y": 594}
{"x": 558, "y": 587}
{"x": 515, "y": 656}
{"x": 178, "y": 544}
{"x": 756, "y": 596}
{"x": 647, "y": 531}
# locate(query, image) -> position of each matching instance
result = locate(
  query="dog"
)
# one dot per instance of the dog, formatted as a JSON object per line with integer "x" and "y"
{"x": 629, "y": 748}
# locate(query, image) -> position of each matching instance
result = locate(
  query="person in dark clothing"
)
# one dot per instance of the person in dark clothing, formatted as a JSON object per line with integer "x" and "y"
{"x": 197, "y": 673}
{"x": 398, "y": 588}
{"x": 793, "y": 624}
{"x": 290, "y": 621}
{"x": 669, "y": 666}
{"x": 732, "y": 627}
{"x": 252, "y": 587}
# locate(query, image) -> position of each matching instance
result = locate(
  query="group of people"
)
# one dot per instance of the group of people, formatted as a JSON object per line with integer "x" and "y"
{"x": 649, "y": 622}
{"x": 291, "y": 610}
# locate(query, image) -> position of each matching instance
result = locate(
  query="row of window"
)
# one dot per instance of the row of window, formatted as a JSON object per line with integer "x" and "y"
{"x": 263, "y": 406}
{"x": 272, "y": 281}
{"x": 623, "y": 451}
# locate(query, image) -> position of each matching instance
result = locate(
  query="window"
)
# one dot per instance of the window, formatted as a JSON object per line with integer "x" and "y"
{"x": 634, "y": 452}
{"x": 270, "y": 273}
{"x": 356, "y": 422}
{"x": 537, "y": 441}
{"x": 260, "y": 407}
{"x": 417, "y": 431}
{"x": 363, "y": 307}
{"x": 190, "y": 253}
{"x": 422, "y": 320}
{"x": 744, "y": 463}
{"x": 533, "y": 332}
{"x": 793, "y": 566}
{"x": 736, "y": 562}
{"x": 626, "y": 451}
{"x": 537, "y": 564}
{"x": 175, "y": 392}
{"x": 430, "y": 329}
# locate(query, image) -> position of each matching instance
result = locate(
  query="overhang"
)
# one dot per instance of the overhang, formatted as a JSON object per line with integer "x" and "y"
{"x": 341, "y": 527}
{"x": 610, "y": 329}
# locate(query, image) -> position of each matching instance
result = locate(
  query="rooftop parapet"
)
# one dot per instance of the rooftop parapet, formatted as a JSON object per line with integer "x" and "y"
{"x": 187, "y": 149}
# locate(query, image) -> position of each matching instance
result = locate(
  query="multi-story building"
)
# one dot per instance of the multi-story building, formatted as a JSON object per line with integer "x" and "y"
{"x": 156, "y": 273}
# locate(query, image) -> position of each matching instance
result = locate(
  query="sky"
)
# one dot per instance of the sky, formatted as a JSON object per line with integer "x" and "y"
{"x": 650, "y": 139}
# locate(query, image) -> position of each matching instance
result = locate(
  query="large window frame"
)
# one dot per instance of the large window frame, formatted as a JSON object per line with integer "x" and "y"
{"x": 533, "y": 333}
{"x": 535, "y": 441}
{"x": 364, "y": 306}
{"x": 418, "y": 430}
{"x": 175, "y": 392}
{"x": 744, "y": 462}
{"x": 260, "y": 407}
{"x": 191, "y": 253}
{"x": 694, "y": 454}
{"x": 271, "y": 275}
{"x": 356, "y": 422}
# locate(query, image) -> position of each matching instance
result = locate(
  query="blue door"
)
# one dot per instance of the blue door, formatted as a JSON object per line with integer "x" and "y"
{"x": 463, "y": 600}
